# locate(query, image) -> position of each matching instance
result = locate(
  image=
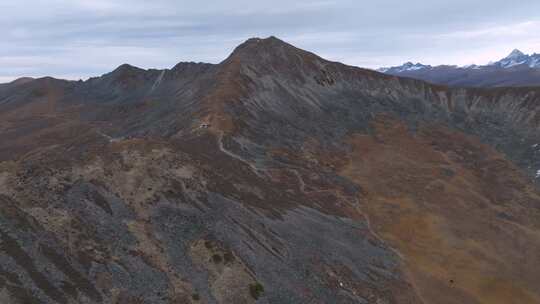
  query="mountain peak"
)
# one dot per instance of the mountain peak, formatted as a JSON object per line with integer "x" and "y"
{"x": 22, "y": 80}
{"x": 258, "y": 45}
{"x": 266, "y": 48}
{"x": 272, "y": 53}
{"x": 407, "y": 66}
{"x": 515, "y": 58}
{"x": 270, "y": 39}
{"x": 515, "y": 53}
{"x": 124, "y": 68}
{"x": 125, "y": 71}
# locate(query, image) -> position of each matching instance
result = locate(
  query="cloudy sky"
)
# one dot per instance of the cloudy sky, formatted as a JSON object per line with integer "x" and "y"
{"x": 80, "y": 38}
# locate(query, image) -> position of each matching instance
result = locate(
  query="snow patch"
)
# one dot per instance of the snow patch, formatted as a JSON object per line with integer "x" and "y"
{"x": 415, "y": 68}
{"x": 158, "y": 81}
{"x": 408, "y": 66}
{"x": 535, "y": 63}
{"x": 110, "y": 138}
{"x": 511, "y": 63}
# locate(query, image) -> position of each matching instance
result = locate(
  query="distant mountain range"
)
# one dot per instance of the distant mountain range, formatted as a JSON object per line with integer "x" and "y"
{"x": 516, "y": 69}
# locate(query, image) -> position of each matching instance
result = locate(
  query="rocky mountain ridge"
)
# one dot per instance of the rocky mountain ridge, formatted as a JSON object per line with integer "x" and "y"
{"x": 273, "y": 177}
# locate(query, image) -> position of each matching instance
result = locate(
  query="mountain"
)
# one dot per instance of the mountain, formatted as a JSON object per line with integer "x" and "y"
{"x": 517, "y": 58}
{"x": 517, "y": 70}
{"x": 275, "y": 176}
{"x": 408, "y": 66}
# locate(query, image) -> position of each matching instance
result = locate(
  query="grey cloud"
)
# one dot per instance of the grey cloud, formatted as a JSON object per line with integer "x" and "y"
{"x": 72, "y": 39}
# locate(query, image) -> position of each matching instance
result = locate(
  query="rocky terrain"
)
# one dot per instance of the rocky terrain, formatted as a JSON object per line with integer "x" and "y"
{"x": 273, "y": 177}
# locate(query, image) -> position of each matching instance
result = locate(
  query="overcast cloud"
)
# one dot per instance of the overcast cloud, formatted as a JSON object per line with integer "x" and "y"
{"x": 80, "y": 38}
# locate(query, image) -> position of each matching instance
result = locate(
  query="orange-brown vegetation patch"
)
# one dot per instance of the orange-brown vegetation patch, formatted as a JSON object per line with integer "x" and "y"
{"x": 464, "y": 219}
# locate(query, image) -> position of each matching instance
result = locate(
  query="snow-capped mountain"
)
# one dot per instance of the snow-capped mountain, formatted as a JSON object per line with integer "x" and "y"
{"x": 516, "y": 69}
{"x": 517, "y": 58}
{"x": 408, "y": 66}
